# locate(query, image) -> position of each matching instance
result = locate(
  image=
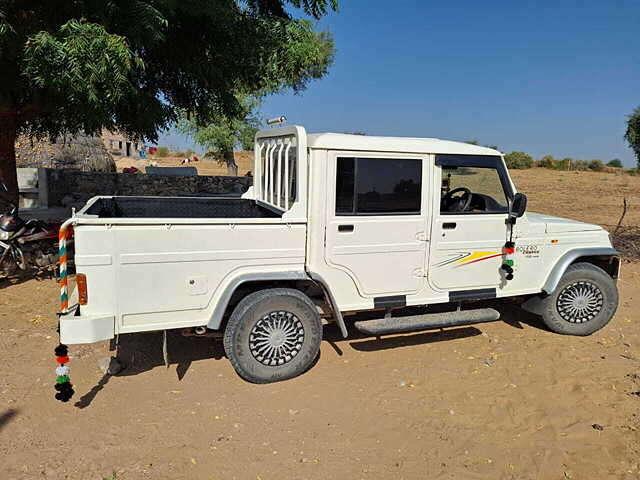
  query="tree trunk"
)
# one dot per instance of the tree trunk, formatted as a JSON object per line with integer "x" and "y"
{"x": 230, "y": 159}
{"x": 8, "y": 174}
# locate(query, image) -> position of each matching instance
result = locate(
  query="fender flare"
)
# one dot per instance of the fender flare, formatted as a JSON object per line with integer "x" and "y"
{"x": 221, "y": 305}
{"x": 568, "y": 258}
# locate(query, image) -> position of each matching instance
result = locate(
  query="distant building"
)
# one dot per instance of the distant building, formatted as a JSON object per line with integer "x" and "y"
{"x": 122, "y": 146}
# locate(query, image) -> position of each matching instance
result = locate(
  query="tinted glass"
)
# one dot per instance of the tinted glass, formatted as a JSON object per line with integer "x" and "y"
{"x": 344, "y": 185}
{"x": 369, "y": 186}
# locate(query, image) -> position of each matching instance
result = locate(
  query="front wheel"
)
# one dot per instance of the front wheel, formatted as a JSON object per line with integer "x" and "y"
{"x": 273, "y": 335}
{"x": 583, "y": 302}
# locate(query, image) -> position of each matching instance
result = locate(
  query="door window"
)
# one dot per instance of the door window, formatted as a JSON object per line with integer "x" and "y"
{"x": 378, "y": 186}
{"x": 472, "y": 190}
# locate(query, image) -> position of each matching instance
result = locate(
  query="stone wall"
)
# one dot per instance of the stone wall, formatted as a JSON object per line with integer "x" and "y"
{"x": 64, "y": 187}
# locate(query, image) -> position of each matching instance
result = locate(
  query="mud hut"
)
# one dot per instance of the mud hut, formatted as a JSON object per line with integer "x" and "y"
{"x": 80, "y": 152}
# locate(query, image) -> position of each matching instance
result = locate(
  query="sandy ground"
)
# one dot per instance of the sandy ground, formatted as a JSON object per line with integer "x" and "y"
{"x": 592, "y": 197}
{"x": 508, "y": 400}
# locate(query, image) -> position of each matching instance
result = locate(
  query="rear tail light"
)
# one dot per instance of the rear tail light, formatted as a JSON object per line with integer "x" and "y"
{"x": 81, "y": 282}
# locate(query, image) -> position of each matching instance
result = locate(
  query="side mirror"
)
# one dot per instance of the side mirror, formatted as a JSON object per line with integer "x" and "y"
{"x": 518, "y": 205}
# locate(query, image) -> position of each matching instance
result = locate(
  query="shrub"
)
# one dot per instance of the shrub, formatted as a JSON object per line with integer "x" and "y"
{"x": 580, "y": 165}
{"x": 547, "y": 162}
{"x": 162, "y": 152}
{"x": 564, "y": 164}
{"x": 596, "y": 165}
{"x": 518, "y": 160}
{"x": 616, "y": 163}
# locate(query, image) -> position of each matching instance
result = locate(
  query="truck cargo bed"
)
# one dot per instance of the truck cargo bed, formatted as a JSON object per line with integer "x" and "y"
{"x": 178, "y": 207}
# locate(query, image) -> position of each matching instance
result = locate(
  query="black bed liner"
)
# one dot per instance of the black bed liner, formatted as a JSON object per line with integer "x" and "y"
{"x": 178, "y": 207}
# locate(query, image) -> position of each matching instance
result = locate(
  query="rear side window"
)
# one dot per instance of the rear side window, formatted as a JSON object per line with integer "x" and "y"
{"x": 378, "y": 186}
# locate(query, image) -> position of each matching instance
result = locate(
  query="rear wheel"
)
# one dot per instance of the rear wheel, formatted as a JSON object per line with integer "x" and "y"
{"x": 583, "y": 302}
{"x": 273, "y": 335}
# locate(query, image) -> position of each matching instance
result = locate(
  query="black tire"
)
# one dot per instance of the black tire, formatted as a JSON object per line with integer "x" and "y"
{"x": 245, "y": 335}
{"x": 584, "y": 282}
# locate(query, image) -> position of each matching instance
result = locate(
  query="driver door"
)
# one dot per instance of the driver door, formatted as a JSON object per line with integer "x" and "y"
{"x": 466, "y": 247}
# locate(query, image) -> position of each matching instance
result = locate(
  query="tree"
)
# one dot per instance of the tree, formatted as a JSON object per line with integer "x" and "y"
{"x": 616, "y": 163}
{"x": 564, "y": 164}
{"x": 226, "y": 132}
{"x": 596, "y": 165}
{"x": 547, "y": 162}
{"x": 518, "y": 160}
{"x": 632, "y": 136}
{"x": 131, "y": 67}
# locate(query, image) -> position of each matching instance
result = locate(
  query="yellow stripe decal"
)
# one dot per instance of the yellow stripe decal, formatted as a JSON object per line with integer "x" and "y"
{"x": 475, "y": 256}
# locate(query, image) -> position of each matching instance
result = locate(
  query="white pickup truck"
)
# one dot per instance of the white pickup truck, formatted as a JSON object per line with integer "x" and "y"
{"x": 334, "y": 225}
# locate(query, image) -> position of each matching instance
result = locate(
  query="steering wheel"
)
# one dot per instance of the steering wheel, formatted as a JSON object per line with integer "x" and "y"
{"x": 457, "y": 204}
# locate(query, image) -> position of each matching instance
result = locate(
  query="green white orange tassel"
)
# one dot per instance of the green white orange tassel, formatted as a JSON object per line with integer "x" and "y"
{"x": 63, "y": 385}
{"x": 508, "y": 261}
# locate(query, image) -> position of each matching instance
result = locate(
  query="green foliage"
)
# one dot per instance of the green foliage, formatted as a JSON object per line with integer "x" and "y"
{"x": 596, "y": 165}
{"x": 162, "y": 152}
{"x": 87, "y": 71}
{"x": 564, "y": 164}
{"x": 547, "y": 162}
{"x": 616, "y": 163}
{"x": 226, "y": 132}
{"x": 580, "y": 165}
{"x": 133, "y": 67}
{"x": 518, "y": 160}
{"x": 632, "y": 135}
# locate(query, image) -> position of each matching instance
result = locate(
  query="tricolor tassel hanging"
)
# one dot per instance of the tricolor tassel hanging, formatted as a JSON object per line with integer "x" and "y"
{"x": 63, "y": 385}
{"x": 508, "y": 259}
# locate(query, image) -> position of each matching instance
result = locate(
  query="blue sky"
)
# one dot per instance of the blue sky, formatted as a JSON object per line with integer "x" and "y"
{"x": 554, "y": 77}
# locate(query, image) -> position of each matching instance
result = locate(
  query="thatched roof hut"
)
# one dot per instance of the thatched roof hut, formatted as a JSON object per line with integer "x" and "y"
{"x": 80, "y": 152}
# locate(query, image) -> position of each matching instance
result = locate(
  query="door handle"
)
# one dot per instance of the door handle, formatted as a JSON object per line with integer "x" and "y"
{"x": 345, "y": 228}
{"x": 449, "y": 225}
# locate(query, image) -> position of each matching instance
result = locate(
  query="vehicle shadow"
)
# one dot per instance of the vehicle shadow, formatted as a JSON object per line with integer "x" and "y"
{"x": 141, "y": 352}
{"x": 516, "y": 317}
{"x": 369, "y": 344}
{"x": 22, "y": 277}
{"x": 510, "y": 314}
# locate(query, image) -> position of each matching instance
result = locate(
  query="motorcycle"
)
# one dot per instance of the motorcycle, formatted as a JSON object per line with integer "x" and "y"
{"x": 25, "y": 245}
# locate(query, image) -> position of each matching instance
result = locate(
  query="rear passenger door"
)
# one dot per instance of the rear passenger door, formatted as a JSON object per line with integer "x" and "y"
{"x": 376, "y": 221}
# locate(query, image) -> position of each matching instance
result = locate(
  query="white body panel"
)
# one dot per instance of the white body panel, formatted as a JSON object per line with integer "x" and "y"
{"x": 160, "y": 273}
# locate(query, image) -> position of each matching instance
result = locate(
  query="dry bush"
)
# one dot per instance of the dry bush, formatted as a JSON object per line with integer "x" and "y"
{"x": 627, "y": 241}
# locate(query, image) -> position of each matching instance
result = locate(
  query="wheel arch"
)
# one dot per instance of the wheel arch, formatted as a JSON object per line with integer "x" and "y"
{"x": 604, "y": 257}
{"x": 248, "y": 282}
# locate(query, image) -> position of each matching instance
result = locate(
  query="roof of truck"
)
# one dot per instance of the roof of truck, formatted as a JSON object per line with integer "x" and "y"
{"x": 343, "y": 141}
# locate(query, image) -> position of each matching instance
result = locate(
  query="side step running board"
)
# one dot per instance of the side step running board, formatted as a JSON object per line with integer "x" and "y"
{"x": 427, "y": 322}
